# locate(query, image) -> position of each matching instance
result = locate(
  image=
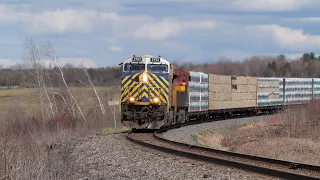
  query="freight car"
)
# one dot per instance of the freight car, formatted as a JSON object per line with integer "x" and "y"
{"x": 155, "y": 93}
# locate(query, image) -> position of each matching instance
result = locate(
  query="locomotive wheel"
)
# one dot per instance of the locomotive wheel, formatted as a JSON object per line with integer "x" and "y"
{"x": 187, "y": 117}
{"x": 170, "y": 118}
{"x": 182, "y": 116}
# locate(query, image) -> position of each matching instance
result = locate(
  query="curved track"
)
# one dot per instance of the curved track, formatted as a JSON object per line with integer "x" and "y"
{"x": 267, "y": 166}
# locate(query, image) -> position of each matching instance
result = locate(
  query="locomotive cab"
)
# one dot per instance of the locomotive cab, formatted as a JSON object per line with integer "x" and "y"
{"x": 145, "y": 92}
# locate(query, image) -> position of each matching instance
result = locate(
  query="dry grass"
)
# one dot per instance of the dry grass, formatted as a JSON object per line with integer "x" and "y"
{"x": 210, "y": 139}
{"x": 30, "y": 147}
{"x": 293, "y": 135}
{"x": 28, "y": 98}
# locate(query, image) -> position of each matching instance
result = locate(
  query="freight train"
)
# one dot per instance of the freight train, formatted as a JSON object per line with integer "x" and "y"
{"x": 155, "y": 93}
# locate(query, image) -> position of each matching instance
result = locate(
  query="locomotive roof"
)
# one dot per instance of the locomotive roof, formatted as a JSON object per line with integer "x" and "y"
{"x": 146, "y": 59}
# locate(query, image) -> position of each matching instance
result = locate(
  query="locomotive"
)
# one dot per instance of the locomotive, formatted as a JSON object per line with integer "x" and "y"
{"x": 151, "y": 94}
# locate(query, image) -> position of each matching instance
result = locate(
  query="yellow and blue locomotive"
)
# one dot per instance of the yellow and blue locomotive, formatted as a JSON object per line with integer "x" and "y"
{"x": 149, "y": 93}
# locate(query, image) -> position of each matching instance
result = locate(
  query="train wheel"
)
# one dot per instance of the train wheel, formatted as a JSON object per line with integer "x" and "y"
{"x": 184, "y": 116}
{"x": 181, "y": 116}
{"x": 187, "y": 117}
{"x": 170, "y": 118}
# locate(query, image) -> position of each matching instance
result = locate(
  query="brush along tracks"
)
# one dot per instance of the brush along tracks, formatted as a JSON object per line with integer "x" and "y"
{"x": 267, "y": 166}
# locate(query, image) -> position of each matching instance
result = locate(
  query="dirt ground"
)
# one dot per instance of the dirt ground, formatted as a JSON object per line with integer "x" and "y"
{"x": 268, "y": 138}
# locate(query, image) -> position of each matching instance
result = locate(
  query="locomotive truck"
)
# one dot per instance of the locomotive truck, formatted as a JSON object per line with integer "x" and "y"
{"x": 155, "y": 93}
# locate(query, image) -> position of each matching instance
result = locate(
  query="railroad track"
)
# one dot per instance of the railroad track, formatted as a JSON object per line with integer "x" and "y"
{"x": 262, "y": 165}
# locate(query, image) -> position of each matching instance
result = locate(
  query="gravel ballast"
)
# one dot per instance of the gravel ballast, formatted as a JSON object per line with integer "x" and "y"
{"x": 114, "y": 157}
{"x": 185, "y": 134}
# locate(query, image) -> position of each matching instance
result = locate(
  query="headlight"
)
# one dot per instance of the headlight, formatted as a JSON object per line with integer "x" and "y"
{"x": 131, "y": 99}
{"x": 156, "y": 99}
{"x": 145, "y": 78}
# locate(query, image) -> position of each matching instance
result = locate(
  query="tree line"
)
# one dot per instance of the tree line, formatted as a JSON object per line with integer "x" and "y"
{"x": 308, "y": 65}
{"x": 261, "y": 66}
{"x": 74, "y": 76}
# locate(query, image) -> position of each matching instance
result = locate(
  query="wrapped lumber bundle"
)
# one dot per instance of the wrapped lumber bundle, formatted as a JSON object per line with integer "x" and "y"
{"x": 204, "y": 92}
{"x": 270, "y": 91}
{"x": 244, "y": 91}
{"x": 227, "y": 92}
{"x": 214, "y": 105}
{"x": 198, "y": 92}
{"x": 219, "y": 79}
{"x": 316, "y": 88}
{"x": 298, "y": 90}
{"x": 220, "y": 96}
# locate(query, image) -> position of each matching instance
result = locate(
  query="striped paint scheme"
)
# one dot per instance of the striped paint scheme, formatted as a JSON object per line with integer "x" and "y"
{"x": 157, "y": 83}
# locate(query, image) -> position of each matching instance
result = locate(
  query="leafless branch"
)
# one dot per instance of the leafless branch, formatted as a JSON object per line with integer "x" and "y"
{"x": 95, "y": 91}
{"x": 50, "y": 52}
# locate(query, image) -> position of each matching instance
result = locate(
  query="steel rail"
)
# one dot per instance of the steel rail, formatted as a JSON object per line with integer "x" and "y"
{"x": 232, "y": 158}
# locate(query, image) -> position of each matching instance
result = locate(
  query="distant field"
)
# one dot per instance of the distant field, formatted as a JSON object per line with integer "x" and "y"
{"x": 27, "y": 100}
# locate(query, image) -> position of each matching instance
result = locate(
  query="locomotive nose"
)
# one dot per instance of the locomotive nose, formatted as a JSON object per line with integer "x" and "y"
{"x": 146, "y": 91}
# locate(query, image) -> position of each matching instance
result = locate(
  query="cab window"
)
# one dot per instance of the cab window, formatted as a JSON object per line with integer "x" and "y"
{"x": 184, "y": 78}
{"x": 134, "y": 67}
{"x": 157, "y": 68}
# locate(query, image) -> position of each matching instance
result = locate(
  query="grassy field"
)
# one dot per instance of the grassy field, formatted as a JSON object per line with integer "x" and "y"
{"x": 27, "y": 100}
{"x": 27, "y": 135}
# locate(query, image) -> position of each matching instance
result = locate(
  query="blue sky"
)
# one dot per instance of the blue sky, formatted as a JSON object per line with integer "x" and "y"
{"x": 99, "y": 33}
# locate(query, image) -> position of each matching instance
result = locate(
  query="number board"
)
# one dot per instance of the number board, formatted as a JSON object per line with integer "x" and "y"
{"x": 136, "y": 59}
{"x": 155, "y": 59}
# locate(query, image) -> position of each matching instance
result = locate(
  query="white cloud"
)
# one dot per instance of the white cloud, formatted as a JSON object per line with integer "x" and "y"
{"x": 115, "y": 48}
{"x": 158, "y": 31}
{"x": 86, "y": 62}
{"x": 8, "y": 14}
{"x": 240, "y": 5}
{"x": 201, "y": 24}
{"x": 273, "y": 5}
{"x": 85, "y": 20}
{"x": 8, "y": 62}
{"x": 294, "y": 39}
{"x": 167, "y": 28}
{"x": 57, "y": 21}
{"x": 60, "y": 21}
{"x": 310, "y": 19}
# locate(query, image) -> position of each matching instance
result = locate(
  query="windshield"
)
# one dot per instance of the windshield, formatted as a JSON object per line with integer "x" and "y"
{"x": 134, "y": 67}
{"x": 163, "y": 68}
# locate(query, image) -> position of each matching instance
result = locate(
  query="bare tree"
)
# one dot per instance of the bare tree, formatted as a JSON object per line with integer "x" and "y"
{"x": 95, "y": 91}
{"x": 50, "y": 52}
{"x": 32, "y": 56}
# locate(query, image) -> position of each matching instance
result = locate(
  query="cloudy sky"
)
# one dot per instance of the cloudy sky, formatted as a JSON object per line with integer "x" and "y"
{"x": 102, "y": 33}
